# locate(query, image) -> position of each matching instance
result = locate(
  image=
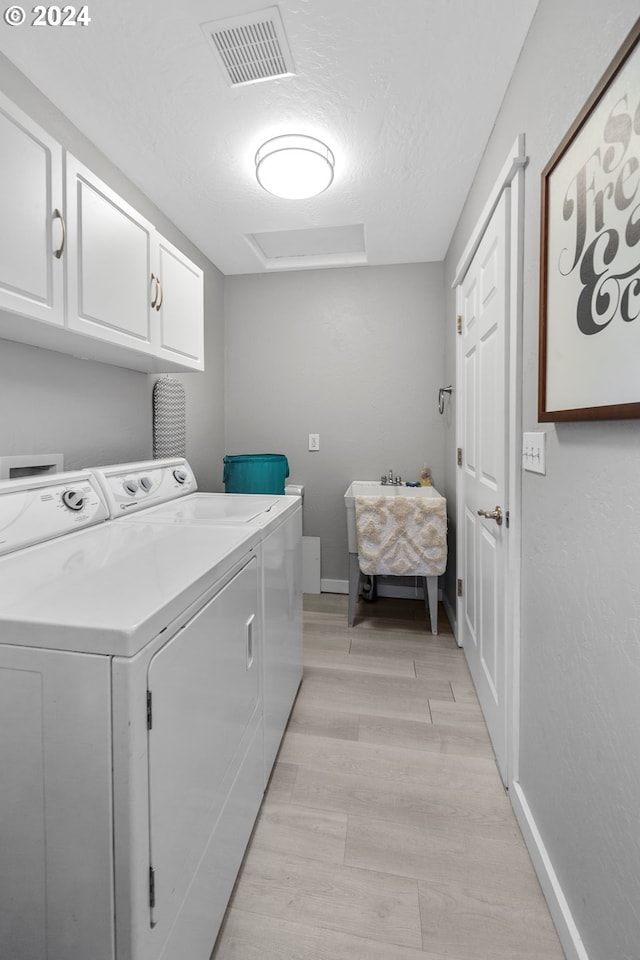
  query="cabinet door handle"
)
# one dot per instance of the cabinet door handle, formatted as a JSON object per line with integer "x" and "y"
{"x": 159, "y": 303}
{"x": 57, "y": 215}
{"x": 157, "y": 290}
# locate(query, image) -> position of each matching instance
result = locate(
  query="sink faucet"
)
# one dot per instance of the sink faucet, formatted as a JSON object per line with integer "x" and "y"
{"x": 389, "y": 481}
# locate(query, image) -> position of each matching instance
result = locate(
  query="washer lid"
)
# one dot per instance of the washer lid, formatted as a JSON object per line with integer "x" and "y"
{"x": 223, "y": 508}
{"x": 112, "y": 588}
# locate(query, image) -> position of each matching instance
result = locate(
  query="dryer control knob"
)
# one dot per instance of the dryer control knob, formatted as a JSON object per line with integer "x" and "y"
{"x": 180, "y": 476}
{"x": 130, "y": 487}
{"x": 73, "y": 499}
{"x": 146, "y": 483}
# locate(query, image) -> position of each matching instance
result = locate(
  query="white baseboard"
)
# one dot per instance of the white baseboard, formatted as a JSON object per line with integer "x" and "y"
{"x": 334, "y": 586}
{"x": 558, "y": 907}
{"x": 384, "y": 589}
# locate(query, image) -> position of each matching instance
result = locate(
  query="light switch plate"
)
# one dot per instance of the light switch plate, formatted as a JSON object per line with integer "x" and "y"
{"x": 314, "y": 441}
{"x": 533, "y": 452}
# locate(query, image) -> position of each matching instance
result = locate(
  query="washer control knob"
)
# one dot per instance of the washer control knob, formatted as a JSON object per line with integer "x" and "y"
{"x": 73, "y": 499}
{"x": 180, "y": 475}
{"x": 146, "y": 483}
{"x": 130, "y": 487}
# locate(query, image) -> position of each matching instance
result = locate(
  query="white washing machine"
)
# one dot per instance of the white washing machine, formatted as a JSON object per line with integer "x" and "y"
{"x": 131, "y": 739}
{"x": 164, "y": 491}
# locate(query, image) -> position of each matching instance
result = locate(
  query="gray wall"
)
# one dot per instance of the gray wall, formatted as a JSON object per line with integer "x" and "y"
{"x": 96, "y": 413}
{"x": 353, "y": 354}
{"x": 580, "y": 671}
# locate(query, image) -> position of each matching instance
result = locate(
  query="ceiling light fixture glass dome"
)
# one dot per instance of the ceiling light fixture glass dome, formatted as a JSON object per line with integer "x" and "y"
{"x": 294, "y": 166}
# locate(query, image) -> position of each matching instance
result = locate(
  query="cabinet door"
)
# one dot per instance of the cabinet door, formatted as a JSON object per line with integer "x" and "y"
{"x": 109, "y": 264}
{"x": 180, "y": 307}
{"x": 31, "y": 275}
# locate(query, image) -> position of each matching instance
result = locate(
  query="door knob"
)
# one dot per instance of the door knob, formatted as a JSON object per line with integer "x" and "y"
{"x": 492, "y": 514}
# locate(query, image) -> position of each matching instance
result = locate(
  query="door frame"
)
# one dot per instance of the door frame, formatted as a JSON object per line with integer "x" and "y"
{"x": 511, "y": 176}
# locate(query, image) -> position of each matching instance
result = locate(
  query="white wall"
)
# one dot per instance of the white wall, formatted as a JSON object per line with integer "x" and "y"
{"x": 352, "y": 354}
{"x": 96, "y": 413}
{"x": 580, "y": 671}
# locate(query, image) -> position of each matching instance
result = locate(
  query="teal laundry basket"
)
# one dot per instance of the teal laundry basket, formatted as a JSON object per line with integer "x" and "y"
{"x": 255, "y": 473}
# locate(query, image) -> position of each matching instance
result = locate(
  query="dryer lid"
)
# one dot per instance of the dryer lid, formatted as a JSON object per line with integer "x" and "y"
{"x": 114, "y": 587}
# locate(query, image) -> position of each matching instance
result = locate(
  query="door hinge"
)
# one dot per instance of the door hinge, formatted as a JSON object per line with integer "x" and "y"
{"x": 149, "y": 711}
{"x": 459, "y": 457}
{"x": 459, "y": 323}
{"x": 460, "y": 588}
{"x": 152, "y": 887}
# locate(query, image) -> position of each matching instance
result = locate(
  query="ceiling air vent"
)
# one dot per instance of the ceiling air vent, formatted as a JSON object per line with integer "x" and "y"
{"x": 252, "y": 47}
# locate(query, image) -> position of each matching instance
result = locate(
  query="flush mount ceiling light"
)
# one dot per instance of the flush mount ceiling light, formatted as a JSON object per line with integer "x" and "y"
{"x": 294, "y": 167}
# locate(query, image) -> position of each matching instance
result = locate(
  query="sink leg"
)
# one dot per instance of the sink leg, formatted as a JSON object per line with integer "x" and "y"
{"x": 430, "y": 587}
{"x": 354, "y": 586}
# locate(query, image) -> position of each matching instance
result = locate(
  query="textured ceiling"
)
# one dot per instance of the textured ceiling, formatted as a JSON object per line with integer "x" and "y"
{"x": 405, "y": 92}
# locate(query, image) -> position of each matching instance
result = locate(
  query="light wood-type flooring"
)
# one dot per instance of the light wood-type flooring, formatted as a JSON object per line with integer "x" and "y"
{"x": 385, "y": 833}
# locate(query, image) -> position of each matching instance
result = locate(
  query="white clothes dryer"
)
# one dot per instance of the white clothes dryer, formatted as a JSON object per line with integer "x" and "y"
{"x": 131, "y": 739}
{"x": 165, "y": 491}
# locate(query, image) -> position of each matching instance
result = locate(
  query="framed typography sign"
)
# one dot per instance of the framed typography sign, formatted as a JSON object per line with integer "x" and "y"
{"x": 589, "y": 361}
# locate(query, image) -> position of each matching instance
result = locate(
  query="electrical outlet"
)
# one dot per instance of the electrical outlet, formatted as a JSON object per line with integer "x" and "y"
{"x": 314, "y": 441}
{"x": 533, "y": 452}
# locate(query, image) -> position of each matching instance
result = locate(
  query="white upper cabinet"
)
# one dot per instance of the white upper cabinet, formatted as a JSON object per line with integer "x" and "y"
{"x": 31, "y": 225}
{"x": 81, "y": 271}
{"x": 110, "y": 247}
{"x": 179, "y": 304}
{"x": 127, "y": 285}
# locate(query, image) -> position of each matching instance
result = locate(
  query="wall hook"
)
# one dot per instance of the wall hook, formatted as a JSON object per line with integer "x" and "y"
{"x": 441, "y": 393}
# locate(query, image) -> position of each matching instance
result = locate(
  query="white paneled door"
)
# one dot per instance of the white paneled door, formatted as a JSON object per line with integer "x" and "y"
{"x": 482, "y": 367}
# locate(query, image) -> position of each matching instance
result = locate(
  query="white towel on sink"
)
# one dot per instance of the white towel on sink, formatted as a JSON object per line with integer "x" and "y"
{"x": 402, "y": 536}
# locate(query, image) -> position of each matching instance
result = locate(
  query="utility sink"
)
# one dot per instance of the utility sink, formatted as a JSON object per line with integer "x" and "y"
{"x": 373, "y": 488}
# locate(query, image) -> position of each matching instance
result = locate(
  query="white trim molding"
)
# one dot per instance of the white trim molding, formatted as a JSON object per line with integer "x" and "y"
{"x": 511, "y": 177}
{"x": 516, "y": 161}
{"x": 558, "y": 907}
{"x": 334, "y": 586}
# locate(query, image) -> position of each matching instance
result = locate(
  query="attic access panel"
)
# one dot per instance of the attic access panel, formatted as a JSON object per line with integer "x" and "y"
{"x": 251, "y": 47}
{"x": 311, "y": 247}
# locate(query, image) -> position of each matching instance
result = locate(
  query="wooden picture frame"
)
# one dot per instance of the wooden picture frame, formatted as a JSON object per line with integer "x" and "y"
{"x": 589, "y": 357}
